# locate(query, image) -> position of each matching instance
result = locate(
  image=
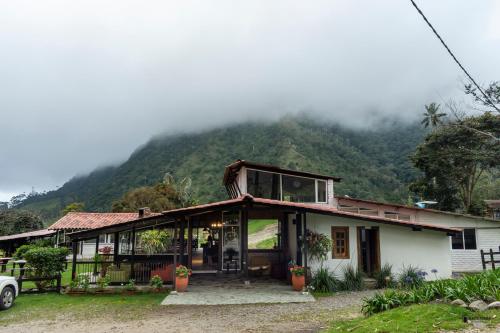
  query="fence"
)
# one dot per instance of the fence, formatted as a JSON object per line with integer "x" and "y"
{"x": 24, "y": 275}
{"x": 491, "y": 258}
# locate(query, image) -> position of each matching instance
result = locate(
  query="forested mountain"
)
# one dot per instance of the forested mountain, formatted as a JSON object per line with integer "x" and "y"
{"x": 373, "y": 163}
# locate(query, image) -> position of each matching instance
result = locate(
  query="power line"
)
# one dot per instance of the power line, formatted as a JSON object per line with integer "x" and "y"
{"x": 453, "y": 56}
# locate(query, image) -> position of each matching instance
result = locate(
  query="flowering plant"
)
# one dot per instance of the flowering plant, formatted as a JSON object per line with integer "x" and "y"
{"x": 106, "y": 250}
{"x": 182, "y": 271}
{"x": 297, "y": 270}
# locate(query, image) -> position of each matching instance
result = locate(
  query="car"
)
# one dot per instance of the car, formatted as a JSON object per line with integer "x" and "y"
{"x": 9, "y": 290}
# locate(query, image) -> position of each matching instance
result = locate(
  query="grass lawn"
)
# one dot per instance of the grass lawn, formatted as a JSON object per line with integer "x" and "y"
{"x": 51, "y": 306}
{"x": 267, "y": 243}
{"x": 258, "y": 225}
{"x": 416, "y": 318}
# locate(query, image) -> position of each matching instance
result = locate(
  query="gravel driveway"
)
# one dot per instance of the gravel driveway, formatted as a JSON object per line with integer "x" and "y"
{"x": 292, "y": 317}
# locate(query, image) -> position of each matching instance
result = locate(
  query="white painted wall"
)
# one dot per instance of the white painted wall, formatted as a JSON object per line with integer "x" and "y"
{"x": 88, "y": 249}
{"x": 487, "y": 237}
{"x": 399, "y": 246}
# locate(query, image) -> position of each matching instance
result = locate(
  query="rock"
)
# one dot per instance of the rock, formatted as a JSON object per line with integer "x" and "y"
{"x": 478, "y": 306}
{"x": 459, "y": 302}
{"x": 494, "y": 305}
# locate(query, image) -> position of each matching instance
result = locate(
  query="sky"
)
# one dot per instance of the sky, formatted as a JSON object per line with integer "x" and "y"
{"x": 83, "y": 83}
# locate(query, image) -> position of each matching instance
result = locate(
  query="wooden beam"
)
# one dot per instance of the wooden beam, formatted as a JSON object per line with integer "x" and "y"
{"x": 132, "y": 257}
{"x": 73, "y": 267}
{"x": 116, "y": 247}
{"x": 298, "y": 234}
{"x": 175, "y": 256}
{"x": 190, "y": 243}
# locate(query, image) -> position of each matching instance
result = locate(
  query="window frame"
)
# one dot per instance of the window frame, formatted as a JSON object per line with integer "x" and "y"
{"x": 346, "y": 254}
{"x": 463, "y": 241}
{"x": 317, "y": 190}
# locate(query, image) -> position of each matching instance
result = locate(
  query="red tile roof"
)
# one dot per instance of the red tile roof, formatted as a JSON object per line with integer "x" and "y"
{"x": 84, "y": 220}
{"x": 29, "y": 234}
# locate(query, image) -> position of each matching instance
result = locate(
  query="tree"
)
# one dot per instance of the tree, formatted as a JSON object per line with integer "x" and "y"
{"x": 14, "y": 221}
{"x": 432, "y": 116}
{"x": 166, "y": 195}
{"x": 454, "y": 158}
{"x": 492, "y": 92}
{"x": 73, "y": 207}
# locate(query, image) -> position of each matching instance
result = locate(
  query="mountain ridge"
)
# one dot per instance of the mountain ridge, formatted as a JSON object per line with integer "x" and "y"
{"x": 372, "y": 162}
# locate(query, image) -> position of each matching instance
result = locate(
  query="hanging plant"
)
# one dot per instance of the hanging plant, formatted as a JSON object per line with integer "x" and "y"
{"x": 318, "y": 246}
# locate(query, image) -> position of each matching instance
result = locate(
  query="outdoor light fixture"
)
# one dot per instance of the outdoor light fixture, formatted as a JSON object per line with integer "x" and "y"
{"x": 216, "y": 225}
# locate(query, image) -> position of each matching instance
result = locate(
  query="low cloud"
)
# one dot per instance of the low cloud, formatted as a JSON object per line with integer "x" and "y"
{"x": 83, "y": 83}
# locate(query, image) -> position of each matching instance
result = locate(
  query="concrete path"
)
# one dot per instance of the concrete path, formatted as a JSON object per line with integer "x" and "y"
{"x": 232, "y": 294}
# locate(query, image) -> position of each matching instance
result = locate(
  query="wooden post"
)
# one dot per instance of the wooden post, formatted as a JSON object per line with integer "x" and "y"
{"x": 182, "y": 242}
{"x": 73, "y": 267}
{"x": 492, "y": 258}
{"x": 132, "y": 258}
{"x": 244, "y": 241}
{"x": 175, "y": 256}
{"x": 298, "y": 228}
{"x": 190, "y": 243}
{"x": 96, "y": 254}
{"x": 116, "y": 248}
{"x": 304, "y": 218}
{"x": 483, "y": 260}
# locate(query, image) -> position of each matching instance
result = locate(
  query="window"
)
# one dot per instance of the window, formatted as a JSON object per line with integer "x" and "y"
{"x": 263, "y": 184}
{"x": 263, "y": 234}
{"x": 321, "y": 191}
{"x": 340, "y": 242}
{"x": 465, "y": 240}
{"x": 298, "y": 189}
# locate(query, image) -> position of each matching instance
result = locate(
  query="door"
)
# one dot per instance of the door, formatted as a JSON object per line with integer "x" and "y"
{"x": 368, "y": 250}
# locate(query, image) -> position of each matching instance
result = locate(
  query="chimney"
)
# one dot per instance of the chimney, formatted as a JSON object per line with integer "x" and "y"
{"x": 144, "y": 211}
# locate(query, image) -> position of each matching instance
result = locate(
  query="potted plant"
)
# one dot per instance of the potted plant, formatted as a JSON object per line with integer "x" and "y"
{"x": 103, "y": 283}
{"x": 298, "y": 277}
{"x": 182, "y": 274}
{"x": 156, "y": 283}
{"x": 105, "y": 256}
{"x": 130, "y": 287}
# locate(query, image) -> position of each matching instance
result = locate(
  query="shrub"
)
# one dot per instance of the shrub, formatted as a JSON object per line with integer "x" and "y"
{"x": 46, "y": 262}
{"x": 103, "y": 281}
{"x": 156, "y": 282}
{"x": 323, "y": 281}
{"x": 155, "y": 241}
{"x": 21, "y": 250}
{"x": 182, "y": 271}
{"x": 484, "y": 286}
{"x": 384, "y": 277}
{"x": 353, "y": 279}
{"x": 411, "y": 277}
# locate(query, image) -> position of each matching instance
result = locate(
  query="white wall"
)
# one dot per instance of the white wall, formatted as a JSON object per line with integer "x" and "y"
{"x": 487, "y": 237}
{"x": 399, "y": 246}
{"x": 88, "y": 250}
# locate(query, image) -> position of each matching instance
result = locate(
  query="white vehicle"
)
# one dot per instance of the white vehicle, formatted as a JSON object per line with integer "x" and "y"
{"x": 9, "y": 290}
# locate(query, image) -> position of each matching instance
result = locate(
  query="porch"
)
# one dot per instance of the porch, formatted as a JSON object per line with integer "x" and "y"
{"x": 208, "y": 239}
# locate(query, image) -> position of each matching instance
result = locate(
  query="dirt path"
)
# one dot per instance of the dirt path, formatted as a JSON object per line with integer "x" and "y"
{"x": 310, "y": 317}
{"x": 268, "y": 232}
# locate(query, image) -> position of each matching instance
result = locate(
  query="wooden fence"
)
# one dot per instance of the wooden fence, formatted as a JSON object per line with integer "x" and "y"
{"x": 488, "y": 258}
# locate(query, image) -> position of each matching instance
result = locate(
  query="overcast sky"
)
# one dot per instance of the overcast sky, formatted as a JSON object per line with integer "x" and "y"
{"x": 83, "y": 83}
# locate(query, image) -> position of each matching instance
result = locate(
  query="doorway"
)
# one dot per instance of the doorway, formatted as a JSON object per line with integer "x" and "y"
{"x": 369, "y": 250}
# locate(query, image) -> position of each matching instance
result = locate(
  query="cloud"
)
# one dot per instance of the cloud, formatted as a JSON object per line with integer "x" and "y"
{"x": 82, "y": 83}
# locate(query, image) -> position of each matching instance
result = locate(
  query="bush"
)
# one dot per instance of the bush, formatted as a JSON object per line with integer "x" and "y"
{"x": 353, "y": 279}
{"x": 411, "y": 277}
{"x": 323, "y": 281}
{"x": 21, "y": 250}
{"x": 484, "y": 286}
{"x": 156, "y": 282}
{"x": 46, "y": 262}
{"x": 103, "y": 281}
{"x": 384, "y": 277}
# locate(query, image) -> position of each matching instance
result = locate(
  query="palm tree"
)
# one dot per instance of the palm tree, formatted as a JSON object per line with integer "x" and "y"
{"x": 432, "y": 116}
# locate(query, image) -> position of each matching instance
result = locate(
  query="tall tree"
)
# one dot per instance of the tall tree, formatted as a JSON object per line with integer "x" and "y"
{"x": 454, "y": 158}
{"x": 432, "y": 116}
{"x": 73, "y": 207}
{"x": 168, "y": 194}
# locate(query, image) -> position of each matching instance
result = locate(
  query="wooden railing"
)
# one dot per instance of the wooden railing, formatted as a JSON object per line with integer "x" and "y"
{"x": 488, "y": 258}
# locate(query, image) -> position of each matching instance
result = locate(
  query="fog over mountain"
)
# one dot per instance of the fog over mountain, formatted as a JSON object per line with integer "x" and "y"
{"x": 83, "y": 83}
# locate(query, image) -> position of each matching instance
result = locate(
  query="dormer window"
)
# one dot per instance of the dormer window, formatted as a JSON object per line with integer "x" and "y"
{"x": 270, "y": 185}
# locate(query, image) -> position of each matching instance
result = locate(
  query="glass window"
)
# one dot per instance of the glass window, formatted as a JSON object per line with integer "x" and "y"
{"x": 263, "y": 184}
{"x": 298, "y": 189}
{"x": 340, "y": 242}
{"x": 102, "y": 238}
{"x": 464, "y": 240}
{"x": 470, "y": 239}
{"x": 321, "y": 184}
{"x": 111, "y": 238}
{"x": 263, "y": 234}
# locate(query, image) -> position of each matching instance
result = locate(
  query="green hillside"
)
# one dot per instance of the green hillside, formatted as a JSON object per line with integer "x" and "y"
{"x": 373, "y": 163}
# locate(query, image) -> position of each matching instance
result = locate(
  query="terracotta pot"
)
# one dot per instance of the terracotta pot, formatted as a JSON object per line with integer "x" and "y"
{"x": 298, "y": 282}
{"x": 181, "y": 284}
